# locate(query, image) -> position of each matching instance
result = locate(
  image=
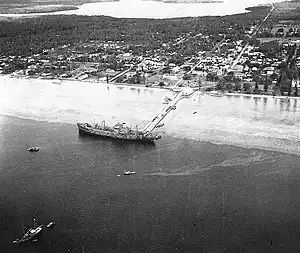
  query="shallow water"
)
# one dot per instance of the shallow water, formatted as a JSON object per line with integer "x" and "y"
{"x": 266, "y": 123}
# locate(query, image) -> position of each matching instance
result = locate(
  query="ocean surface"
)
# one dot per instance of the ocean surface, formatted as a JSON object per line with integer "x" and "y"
{"x": 158, "y": 9}
{"x": 187, "y": 196}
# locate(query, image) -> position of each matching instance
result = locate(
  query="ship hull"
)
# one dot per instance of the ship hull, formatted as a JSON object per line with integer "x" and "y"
{"x": 32, "y": 236}
{"x": 86, "y": 130}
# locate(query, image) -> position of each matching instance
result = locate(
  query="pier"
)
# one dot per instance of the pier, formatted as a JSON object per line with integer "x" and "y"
{"x": 184, "y": 93}
{"x": 120, "y": 74}
{"x": 180, "y": 95}
{"x": 162, "y": 114}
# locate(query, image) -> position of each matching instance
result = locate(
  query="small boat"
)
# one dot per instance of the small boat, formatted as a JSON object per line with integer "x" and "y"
{"x": 35, "y": 240}
{"x": 33, "y": 149}
{"x": 167, "y": 100}
{"x": 59, "y": 82}
{"x": 217, "y": 94}
{"x": 51, "y": 224}
{"x": 176, "y": 89}
{"x": 160, "y": 125}
{"x": 128, "y": 172}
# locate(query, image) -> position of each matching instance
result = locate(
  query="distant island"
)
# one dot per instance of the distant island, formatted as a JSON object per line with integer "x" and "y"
{"x": 42, "y": 6}
{"x": 188, "y": 1}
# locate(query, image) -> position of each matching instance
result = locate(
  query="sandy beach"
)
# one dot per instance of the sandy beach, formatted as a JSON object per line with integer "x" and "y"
{"x": 55, "y": 81}
{"x": 267, "y": 123}
{"x": 261, "y": 96}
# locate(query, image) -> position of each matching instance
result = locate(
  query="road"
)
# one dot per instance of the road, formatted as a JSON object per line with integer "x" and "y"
{"x": 235, "y": 62}
{"x": 120, "y": 74}
{"x": 199, "y": 62}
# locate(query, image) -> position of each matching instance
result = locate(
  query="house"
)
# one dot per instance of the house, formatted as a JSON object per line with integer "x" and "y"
{"x": 170, "y": 77}
{"x": 175, "y": 69}
{"x": 153, "y": 62}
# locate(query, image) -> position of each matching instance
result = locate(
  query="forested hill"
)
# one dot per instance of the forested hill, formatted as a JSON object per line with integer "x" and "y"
{"x": 33, "y": 35}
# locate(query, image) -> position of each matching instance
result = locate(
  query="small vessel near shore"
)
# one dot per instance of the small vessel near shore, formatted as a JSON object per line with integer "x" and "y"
{"x": 33, "y": 149}
{"x": 160, "y": 125}
{"x": 32, "y": 233}
{"x": 176, "y": 89}
{"x": 217, "y": 94}
{"x": 58, "y": 82}
{"x": 51, "y": 224}
{"x": 167, "y": 100}
{"x": 119, "y": 131}
{"x": 128, "y": 172}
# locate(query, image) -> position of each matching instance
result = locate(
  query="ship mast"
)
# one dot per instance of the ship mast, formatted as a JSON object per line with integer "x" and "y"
{"x": 23, "y": 227}
{"x": 132, "y": 163}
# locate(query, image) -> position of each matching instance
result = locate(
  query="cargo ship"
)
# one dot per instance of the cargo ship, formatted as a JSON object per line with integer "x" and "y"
{"x": 30, "y": 234}
{"x": 118, "y": 131}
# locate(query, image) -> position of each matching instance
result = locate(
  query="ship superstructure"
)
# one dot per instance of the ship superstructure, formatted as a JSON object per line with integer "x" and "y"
{"x": 30, "y": 234}
{"x": 119, "y": 131}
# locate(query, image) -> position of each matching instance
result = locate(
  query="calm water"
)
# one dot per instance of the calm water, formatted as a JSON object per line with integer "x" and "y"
{"x": 157, "y": 9}
{"x": 187, "y": 196}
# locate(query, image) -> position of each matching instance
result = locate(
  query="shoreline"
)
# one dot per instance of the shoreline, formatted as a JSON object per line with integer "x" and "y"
{"x": 166, "y": 137}
{"x": 84, "y": 82}
{"x": 290, "y": 148}
{"x": 144, "y": 87}
{"x": 260, "y": 96}
{"x": 48, "y": 7}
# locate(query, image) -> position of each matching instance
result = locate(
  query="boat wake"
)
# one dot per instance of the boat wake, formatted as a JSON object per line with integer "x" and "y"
{"x": 15, "y": 115}
{"x": 241, "y": 159}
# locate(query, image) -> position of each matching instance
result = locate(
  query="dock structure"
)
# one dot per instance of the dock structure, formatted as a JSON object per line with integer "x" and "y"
{"x": 168, "y": 109}
{"x": 180, "y": 95}
{"x": 162, "y": 114}
{"x": 120, "y": 74}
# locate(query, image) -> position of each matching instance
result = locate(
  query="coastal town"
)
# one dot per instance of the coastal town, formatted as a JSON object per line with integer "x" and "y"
{"x": 263, "y": 59}
{"x": 149, "y": 126}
